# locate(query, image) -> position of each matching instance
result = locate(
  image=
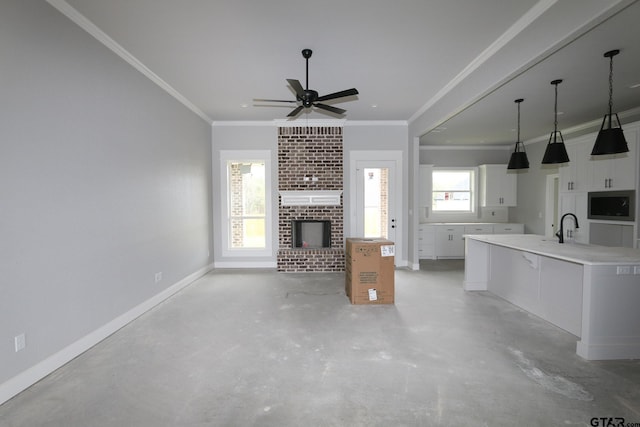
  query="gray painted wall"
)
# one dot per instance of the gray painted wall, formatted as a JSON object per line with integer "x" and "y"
{"x": 264, "y": 136}
{"x": 238, "y": 136}
{"x": 463, "y": 157}
{"x": 104, "y": 181}
{"x": 378, "y": 137}
{"x": 532, "y": 187}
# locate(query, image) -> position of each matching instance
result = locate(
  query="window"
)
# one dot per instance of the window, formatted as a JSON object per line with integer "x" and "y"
{"x": 452, "y": 190}
{"x": 245, "y": 219}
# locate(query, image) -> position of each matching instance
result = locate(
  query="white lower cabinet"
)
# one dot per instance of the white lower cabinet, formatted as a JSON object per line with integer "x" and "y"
{"x": 447, "y": 240}
{"x": 427, "y": 241}
{"x": 546, "y": 287}
{"x": 508, "y": 228}
{"x": 450, "y": 241}
{"x": 478, "y": 229}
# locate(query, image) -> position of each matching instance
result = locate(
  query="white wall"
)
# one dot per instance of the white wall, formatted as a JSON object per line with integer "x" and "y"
{"x": 104, "y": 181}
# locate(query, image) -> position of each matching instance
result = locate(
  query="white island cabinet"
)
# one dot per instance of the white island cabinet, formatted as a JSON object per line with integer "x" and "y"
{"x": 588, "y": 290}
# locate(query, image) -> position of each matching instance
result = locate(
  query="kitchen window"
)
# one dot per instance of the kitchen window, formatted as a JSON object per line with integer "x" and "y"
{"x": 453, "y": 190}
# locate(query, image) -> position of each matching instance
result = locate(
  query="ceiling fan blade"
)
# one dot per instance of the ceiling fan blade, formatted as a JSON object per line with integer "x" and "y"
{"x": 297, "y": 87}
{"x": 342, "y": 93}
{"x": 271, "y": 100}
{"x": 330, "y": 108}
{"x": 295, "y": 111}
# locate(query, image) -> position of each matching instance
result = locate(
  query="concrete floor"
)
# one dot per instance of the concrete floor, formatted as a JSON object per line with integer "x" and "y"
{"x": 261, "y": 348}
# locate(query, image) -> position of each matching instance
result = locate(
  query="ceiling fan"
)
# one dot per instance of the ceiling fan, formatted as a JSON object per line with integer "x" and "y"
{"x": 307, "y": 98}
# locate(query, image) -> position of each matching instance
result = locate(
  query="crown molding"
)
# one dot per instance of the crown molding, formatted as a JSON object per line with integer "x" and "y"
{"x": 243, "y": 123}
{"x": 376, "y": 123}
{"x": 84, "y": 23}
{"x": 593, "y": 125}
{"x": 309, "y": 123}
{"x": 464, "y": 147}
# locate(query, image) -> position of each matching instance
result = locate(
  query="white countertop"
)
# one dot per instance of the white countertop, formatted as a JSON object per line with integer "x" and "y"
{"x": 573, "y": 252}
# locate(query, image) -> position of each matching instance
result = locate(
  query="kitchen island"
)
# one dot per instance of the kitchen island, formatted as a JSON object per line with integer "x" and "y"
{"x": 591, "y": 291}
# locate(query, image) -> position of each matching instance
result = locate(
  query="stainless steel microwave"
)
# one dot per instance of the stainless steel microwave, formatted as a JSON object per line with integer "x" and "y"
{"x": 612, "y": 205}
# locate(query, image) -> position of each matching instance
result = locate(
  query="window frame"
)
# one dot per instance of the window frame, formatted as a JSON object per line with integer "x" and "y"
{"x": 449, "y": 215}
{"x": 244, "y": 156}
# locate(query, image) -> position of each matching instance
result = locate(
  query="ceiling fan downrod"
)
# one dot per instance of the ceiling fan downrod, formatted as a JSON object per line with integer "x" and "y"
{"x": 306, "y": 54}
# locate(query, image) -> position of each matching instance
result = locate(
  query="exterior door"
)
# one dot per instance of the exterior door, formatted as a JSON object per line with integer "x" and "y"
{"x": 375, "y": 201}
{"x": 377, "y": 206}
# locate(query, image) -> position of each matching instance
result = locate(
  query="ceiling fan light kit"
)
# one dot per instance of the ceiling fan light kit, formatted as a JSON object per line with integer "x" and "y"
{"x": 556, "y": 152}
{"x": 518, "y": 158}
{"x": 307, "y": 98}
{"x": 610, "y": 140}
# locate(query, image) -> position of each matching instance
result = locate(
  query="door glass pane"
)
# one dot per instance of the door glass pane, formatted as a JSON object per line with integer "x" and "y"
{"x": 247, "y": 204}
{"x": 376, "y": 206}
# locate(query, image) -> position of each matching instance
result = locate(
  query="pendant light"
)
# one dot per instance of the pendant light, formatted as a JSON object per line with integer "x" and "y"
{"x": 518, "y": 158}
{"x": 610, "y": 140}
{"x": 556, "y": 152}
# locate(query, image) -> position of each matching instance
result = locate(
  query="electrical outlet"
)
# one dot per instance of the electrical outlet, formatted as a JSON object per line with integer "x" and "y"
{"x": 20, "y": 342}
{"x": 158, "y": 276}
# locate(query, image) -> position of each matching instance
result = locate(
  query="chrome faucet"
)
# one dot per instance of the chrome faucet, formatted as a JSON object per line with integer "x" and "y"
{"x": 560, "y": 232}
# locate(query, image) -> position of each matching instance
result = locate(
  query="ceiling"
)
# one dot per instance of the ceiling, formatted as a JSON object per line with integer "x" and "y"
{"x": 451, "y": 69}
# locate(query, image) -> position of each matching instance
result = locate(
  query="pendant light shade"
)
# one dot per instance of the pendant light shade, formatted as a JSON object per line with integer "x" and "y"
{"x": 610, "y": 139}
{"x": 556, "y": 152}
{"x": 518, "y": 158}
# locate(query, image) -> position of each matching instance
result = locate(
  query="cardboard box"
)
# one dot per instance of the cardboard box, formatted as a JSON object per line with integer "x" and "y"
{"x": 370, "y": 271}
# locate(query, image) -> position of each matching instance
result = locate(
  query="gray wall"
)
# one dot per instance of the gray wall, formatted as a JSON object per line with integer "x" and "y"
{"x": 378, "y": 137}
{"x": 463, "y": 157}
{"x": 104, "y": 181}
{"x": 264, "y": 136}
{"x": 244, "y": 136}
{"x": 532, "y": 187}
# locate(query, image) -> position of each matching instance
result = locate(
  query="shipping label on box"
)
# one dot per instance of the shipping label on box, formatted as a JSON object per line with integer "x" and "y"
{"x": 368, "y": 277}
{"x": 387, "y": 250}
{"x": 367, "y": 250}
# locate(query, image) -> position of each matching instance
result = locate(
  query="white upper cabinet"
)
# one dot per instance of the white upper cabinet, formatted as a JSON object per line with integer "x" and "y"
{"x": 614, "y": 171}
{"x": 498, "y": 186}
{"x": 573, "y": 175}
{"x": 585, "y": 172}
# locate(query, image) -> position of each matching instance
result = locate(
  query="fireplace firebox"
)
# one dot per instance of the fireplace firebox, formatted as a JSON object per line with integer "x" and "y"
{"x": 311, "y": 234}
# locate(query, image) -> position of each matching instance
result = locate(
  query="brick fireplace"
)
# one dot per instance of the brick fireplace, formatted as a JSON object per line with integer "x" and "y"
{"x": 310, "y": 161}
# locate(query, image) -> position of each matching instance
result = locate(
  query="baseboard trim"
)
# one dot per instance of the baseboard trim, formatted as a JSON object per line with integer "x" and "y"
{"x": 25, "y": 379}
{"x": 245, "y": 264}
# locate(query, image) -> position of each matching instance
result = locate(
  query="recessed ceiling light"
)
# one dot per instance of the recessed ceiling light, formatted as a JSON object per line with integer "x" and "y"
{"x": 374, "y": 105}
{"x": 244, "y": 105}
